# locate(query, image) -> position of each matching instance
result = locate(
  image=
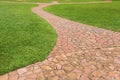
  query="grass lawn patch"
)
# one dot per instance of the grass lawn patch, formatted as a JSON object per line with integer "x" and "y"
{"x": 103, "y": 15}
{"x": 25, "y": 38}
{"x": 63, "y": 1}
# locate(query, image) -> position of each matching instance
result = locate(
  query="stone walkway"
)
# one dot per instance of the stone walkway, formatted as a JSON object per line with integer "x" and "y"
{"x": 82, "y": 52}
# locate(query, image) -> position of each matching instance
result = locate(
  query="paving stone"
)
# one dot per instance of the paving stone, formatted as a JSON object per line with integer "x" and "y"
{"x": 59, "y": 66}
{"x": 67, "y": 68}
{"x": 46, "y": 67}
{"x": 30, "y": 68}
{"x": 72, "y": 76}
{"x": 112, "y": 67}
{"x": 26, "y": 74}
{"x": 87, "y": 70}
{"x": 4, "y": 77}
{"x": 111, "y": 49}
{"x": 40, "y": 76}
{"x": 32, "y": 76}
{"x": 64, "y": 62}
{"x": 117, "y": 60}
{"x": 118, "y": 78}
{"x": 112, "y": 73}
{"x": 55, "y": 60}
{"x": 54, "y": 78}
{"x": 97, "y": 73}
{"x": 22, "y": 78}
{"x": 59, "y": 72}
{"x": 37, "y": 70}
{"x": 21, "y": 71}
{"x": 60, "y": 58}
{"x": 30, "y": 79}
{"x": 84, "y": 78}
{"x": 48, "y": 73}
{"x": 63, "y": 57}
{"x": 36, "y": 67}
{"x": 13, "y": 75}
{"x": 50, "y": 59}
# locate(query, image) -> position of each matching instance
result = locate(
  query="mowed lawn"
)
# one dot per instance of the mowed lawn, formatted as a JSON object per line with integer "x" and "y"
{"x": 103, "y": 15}
{"x": 25, "y": 38}
{"x": 61, "y": 1}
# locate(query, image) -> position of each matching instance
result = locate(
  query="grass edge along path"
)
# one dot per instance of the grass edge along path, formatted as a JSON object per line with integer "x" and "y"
{"x": 103, "y": 15}
{"x": 49, "y": 1}
{"x": 25, "y": 38}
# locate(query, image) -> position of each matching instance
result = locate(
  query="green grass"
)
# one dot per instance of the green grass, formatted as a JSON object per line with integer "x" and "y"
{"x": 53, "y": 0}
{"x": 25, "y": 38}
{"x": 103, "y": 15}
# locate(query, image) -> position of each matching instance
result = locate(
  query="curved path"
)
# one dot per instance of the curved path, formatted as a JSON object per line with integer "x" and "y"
{"x": 82, "y": 52}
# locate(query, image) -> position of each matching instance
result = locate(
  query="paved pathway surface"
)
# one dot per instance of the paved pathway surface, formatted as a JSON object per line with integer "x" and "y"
{"x": 82, "y": 52}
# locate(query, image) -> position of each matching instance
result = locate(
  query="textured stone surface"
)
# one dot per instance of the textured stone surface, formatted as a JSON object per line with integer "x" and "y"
{"x": 82, "y": 52}
{"x": 4, "y": 77}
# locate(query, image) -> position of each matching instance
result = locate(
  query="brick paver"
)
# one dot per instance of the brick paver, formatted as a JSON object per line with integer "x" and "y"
{"x": 82, "y": 52}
